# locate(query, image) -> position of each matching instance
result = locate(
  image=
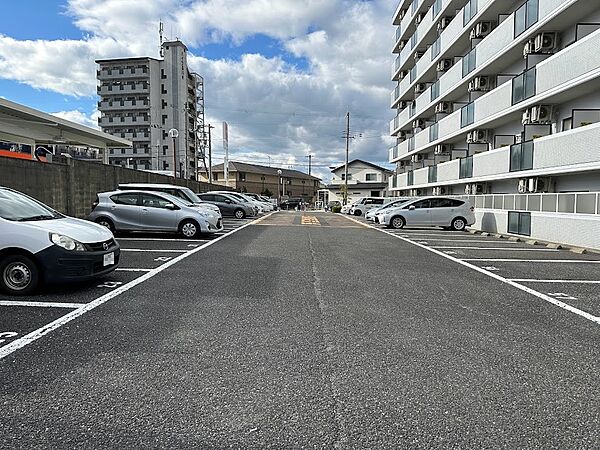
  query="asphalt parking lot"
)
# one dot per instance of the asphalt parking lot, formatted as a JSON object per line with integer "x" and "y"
{"x": 142, "y": 254}
{"x": 569, "y": 280}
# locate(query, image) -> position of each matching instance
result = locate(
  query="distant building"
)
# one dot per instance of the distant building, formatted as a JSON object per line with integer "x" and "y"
{"x": 259, "y": 179}
{"x": 141, "y": 99}
{"x": 365, "y": 179}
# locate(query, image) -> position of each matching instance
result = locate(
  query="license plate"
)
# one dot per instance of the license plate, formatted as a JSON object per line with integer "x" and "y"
{"x": 109, "y": 259}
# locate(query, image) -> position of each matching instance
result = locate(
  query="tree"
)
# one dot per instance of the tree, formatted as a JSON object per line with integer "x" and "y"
{"x": 267, "y": 193}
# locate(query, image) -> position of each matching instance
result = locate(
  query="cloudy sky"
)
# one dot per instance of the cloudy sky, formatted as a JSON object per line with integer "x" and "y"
{"x": 282, "y": 73}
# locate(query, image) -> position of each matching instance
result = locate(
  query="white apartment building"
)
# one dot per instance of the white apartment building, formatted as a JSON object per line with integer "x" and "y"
{"x": 365, "y": 179}
{"x": 498, "y": 100}
{"x": 141, "y": 99}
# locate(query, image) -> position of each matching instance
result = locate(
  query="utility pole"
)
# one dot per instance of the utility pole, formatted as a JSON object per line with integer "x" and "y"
{"x": 210, "y": 175}
{"x": 309, "y": 163}
{"x": 346, "y": 164}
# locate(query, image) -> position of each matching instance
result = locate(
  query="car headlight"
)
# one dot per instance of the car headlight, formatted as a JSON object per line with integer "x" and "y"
{"x": 66, "y": 242}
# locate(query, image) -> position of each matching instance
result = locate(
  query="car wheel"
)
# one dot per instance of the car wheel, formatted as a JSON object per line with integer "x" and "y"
{"x": 106, "y": 223}
{"x": 189, "y": 229}
{"x": 19, "y": 275}
{"x": 357, "y": 212}
{"x": 459, "y": 224}
{"x": 397, "y": 222}
{"x": 239, "y": 214}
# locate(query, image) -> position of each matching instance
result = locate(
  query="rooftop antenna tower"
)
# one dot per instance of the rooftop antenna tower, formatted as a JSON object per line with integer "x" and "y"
{"x": 161, "y": 29}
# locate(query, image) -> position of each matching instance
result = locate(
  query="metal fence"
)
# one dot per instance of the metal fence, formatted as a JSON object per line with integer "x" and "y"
{"x": 568, "y": 202}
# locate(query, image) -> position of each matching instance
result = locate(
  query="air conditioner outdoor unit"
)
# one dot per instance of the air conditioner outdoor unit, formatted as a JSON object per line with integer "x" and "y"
{"x": 541, "y": 114}
{"x": 402, "y": 135}
{"x": 402, "y": 13}
{"x": 402, "y": 105}
{"x": 419, "y": 18}
{"x": 522, "y": 187}
{"x": 403, "y": 43}
{"x": 468, "y": 189}
{"x": 443, "y": 23}
{"x": 526, "y": 117}
{"x": 418, "y": 55}
{"x": 529, "y": 48}
{"x": 537, "y": 184}
{"x": 418, "y": 123}
{"x": 442, "y": 149}
{"x": 402, "y": 163}
{"x": 418, "y": 192}
{"x": 481, "y": 30}
{"x": 546, "y": 42}
{"x": 403, "y": 74}
{"x": 420, "y": 88}
{"x": 444, "y": 64}
{"x": 443, "y": 108}
{"x": 417, "y": 158}
{"x": 436, "y": 191}
{"x": 477, "y": 188}
{"x": 479, "y": 84}
{"x": 478, "y": 137}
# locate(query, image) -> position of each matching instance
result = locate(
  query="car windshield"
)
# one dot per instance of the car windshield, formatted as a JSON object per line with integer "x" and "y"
{"x": 394, "y": 204}
{"x": 17, "y": 207}
{"x": 191, "y": 195}
{"x": 176, "y": 200}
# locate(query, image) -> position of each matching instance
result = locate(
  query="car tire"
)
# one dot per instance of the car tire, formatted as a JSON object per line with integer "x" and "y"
{"x": 106, "y": 222}
{"x": 19, "y": 275}
{"x": 357, "y": 212}
{"x": 458, "y": 224}
{"x": 189, "y": 229}
{"x": 397, "y": 222}
{"x": 239, "y": 214}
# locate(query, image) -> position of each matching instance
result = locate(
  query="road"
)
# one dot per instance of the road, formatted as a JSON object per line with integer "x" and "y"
{"x": 311, "y": 331}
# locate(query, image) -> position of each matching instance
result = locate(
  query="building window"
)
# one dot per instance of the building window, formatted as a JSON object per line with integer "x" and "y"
{"x": 435, "y": 90}
{"x": 469, "y": 11}
{"x": 432, "y": 174}
{"x": 410, "y": 178}
{"x": 111, "y": 151}
{"x": 467, "y": 115}
{"x": 371, "y": 177}
{"x": 466, "y": 167}
{"x": 411, "y": 144}
{"x": 436, "y": 8}
{"x": 163, "y": 90}
{"x": 344, "y": 176}
{"x": 519, "y": 223}
{"x": 215, "y": 176}
{"x": 163, "y": 75}
{"x": 164, "y": 119}
{"x": 412, "y": 109}
{"x": 434, "y": 132}
{"x": 526, "y": 16}
{"x": 376, "y": 194}
{"x": 521, "y": 156}
{"x": 241, "y": 176}
{"x": 165, "y": 148}
{"x": 523, "y": 86}
{"x": 469, "y": 62}
{"x": 413, "y": 74}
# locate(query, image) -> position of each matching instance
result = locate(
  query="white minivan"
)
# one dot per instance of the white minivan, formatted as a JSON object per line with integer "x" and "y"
{"x": 39, "y": 244}
{"x": 446, "y": 212}
{"x": 363, "y": 205}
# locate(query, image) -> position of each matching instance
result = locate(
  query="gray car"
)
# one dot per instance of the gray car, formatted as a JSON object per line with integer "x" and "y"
{"x": 242, "y": 198}
{"x": 154, "y": 212}
{"x": 230, "y": 205}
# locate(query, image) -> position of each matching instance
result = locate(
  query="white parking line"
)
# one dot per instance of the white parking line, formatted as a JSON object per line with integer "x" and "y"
{"x": 506, "y": 249}
{"x": 533, "y": 280}
{"x": 125, "y": 269}
{"x": 479, "y": 241}
{"x": 41, "y": 304}
{"x": 40, "y": 332}
{"x": 464, "y": 262}
{"x": 162, "y": 240}
{"x": 569, "y": 261}
{"x": 151, "y": 250}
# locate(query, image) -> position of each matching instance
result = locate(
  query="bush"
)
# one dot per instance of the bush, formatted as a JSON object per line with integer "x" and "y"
{"x": 336, "y": 209}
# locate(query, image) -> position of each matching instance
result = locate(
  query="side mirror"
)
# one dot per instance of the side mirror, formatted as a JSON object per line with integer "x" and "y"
{"x": 228, "y": 201}
{"x": 411, "y": 208}
{"x": 171, "y": 206}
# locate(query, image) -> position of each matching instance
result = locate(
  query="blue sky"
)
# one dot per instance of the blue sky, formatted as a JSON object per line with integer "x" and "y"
{"x": 331, "y": 63}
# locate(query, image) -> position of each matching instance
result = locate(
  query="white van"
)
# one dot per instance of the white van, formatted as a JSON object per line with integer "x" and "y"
{"x": 366, "y": 203}
{"x": 39, "y": 244}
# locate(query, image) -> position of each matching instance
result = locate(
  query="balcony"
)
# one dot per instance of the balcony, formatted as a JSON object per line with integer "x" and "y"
{"x": 123, "y": 105}
{"x": 119, "y": 74}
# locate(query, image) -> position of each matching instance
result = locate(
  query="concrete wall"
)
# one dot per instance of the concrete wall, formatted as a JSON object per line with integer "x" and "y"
{"x": 72, "y": 187}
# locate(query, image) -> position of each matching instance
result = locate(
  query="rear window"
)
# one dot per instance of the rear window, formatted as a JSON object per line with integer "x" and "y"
{"x": 125, "y": 199}
{"x": 446, "y": 203}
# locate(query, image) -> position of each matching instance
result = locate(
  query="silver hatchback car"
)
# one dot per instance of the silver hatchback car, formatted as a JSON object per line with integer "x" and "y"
{"x": 154, "y": 212}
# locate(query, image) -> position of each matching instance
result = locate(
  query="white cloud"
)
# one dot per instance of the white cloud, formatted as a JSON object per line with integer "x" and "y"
{"x": 273, "y": 108}
{"x": 89, "y": 120}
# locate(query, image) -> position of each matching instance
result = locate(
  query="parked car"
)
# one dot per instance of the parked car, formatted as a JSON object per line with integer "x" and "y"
{"x": 184, "y": 193}
{"x": 39, "y": 244}
{"x": 445, "y": 212}
{"x": 230, "y": 205}
{"x": 242, "y": 198}
{"x": 265, "y": 203}
{"x": 153, "y": 212}
{"x": 346, "y": 208}
{"x": 291, "y": 203}
{"x": 372, "y": 213}
{"x": 366, "y": 203}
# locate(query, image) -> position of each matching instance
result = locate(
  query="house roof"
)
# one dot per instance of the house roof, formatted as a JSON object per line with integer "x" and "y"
{"x": 362, "y": 161}
{"x": 355, "y": 186}
{"x": 235, "y": 166}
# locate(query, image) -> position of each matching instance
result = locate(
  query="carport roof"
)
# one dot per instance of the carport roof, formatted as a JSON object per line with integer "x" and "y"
{"x": 19, "y": 123}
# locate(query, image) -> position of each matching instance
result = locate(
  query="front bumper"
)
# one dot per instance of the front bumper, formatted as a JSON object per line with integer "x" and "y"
{"x": 58, "y": 265}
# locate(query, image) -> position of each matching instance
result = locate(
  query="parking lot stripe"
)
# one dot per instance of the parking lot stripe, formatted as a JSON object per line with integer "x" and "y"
{"x": 514, "y": 284}
{"x": 533, "y": 280}
{"x": 151, "y": 250}
{"x": 125, "y": 269}
{"x": 41, "y": 332}
{"x": 506, "y": 249}
{"x": 41, "y": 304}
{"x": 162, "y": 240}
{"x": 479, "y": 241}
{"x": 569, "y": 261}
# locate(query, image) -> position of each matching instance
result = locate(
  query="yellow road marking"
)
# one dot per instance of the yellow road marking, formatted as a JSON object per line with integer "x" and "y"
{"x": 310, "y": 220}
